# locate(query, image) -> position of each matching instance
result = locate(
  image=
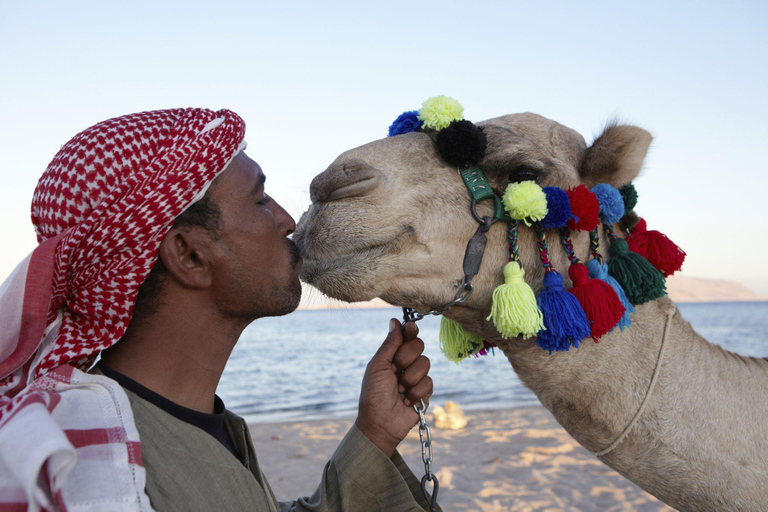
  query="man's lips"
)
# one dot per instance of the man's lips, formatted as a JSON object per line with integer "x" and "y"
{"x": 295, "y": 253}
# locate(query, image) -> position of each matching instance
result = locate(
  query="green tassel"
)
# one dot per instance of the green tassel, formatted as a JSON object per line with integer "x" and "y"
{"x": 641, "y": 281}
{"x": 456, "y": 343}
{"x": 514, "y": 310}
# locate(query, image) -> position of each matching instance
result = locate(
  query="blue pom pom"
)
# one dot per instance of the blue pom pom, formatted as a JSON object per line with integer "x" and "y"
{"x": 406, "y": 122}
{"x": 598, "y": 271}
{"x": 611, "y": 203}
{"x": 565, "y": 322}
{"x": 558, "y": 207}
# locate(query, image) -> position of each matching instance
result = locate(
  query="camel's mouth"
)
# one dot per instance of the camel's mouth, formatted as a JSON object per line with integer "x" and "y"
{"x": 345, "y": 270}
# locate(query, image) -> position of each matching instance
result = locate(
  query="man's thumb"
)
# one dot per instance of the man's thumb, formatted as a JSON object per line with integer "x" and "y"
{"x": 392, "y": 342}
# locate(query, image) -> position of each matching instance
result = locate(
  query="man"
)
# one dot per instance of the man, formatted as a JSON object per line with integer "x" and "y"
{"x": 158, "y": 246}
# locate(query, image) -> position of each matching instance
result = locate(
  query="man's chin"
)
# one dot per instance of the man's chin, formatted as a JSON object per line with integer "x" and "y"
{"x": 290, "y": 301}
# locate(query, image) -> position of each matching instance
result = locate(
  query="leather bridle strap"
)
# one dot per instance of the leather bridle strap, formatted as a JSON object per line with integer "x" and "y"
{"x": 479, "y": 190}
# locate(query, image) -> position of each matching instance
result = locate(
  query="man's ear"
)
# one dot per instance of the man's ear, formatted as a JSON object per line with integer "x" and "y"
{"x": 616, "y": 156}
{"x": 186, "y": 254}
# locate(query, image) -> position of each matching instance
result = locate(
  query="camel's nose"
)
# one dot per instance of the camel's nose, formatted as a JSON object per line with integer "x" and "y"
{"x": 344, "y": 180}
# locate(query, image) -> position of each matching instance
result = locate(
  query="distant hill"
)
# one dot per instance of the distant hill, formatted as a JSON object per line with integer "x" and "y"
{"x": 680, "y": 289}
{"x": 695, "y": 289}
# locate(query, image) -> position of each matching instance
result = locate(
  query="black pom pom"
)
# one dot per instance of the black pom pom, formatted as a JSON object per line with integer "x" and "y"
{"x": 462, "y": 144}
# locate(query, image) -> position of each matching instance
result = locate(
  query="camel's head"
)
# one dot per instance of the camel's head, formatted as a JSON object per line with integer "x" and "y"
{"x": 391, "y": 219}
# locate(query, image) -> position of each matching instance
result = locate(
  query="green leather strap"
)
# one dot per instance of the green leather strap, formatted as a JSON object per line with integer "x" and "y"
{"x": 480, "y": 189}
{"x": 476, "y": 183}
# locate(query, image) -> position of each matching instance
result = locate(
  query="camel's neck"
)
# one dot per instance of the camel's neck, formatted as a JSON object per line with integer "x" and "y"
{"x": 704, "y": 425}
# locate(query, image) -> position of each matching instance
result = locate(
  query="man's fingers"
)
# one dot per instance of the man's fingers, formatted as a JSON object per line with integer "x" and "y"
{"x": 421, "y": 391}
{"x": 415, "y": 372}
{"x": 411, "y": 331}
{"x": 408, "y": 353}
{"x": 392, "y": 342}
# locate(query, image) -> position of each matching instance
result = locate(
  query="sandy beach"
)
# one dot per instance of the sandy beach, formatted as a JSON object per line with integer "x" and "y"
{"x": 505, "y": 460}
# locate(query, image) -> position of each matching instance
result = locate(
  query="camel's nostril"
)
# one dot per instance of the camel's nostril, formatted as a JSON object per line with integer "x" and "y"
{"x": 351, "y": 179}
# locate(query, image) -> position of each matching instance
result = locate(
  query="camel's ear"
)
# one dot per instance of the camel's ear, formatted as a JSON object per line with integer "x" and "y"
{"x": 616, "y": 156}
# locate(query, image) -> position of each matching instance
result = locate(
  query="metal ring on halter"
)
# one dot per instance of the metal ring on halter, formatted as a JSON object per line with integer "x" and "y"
{"x": 483, "y": 221}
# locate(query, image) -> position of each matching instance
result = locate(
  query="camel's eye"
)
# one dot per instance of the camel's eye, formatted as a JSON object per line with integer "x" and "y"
{"x": 523, "y": 173}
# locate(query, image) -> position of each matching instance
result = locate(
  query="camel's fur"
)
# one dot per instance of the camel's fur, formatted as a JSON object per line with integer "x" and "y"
{"x": 400, "y": 234}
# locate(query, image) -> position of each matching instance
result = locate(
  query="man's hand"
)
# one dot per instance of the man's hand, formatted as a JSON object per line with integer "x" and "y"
{"x": 395, "y": 379}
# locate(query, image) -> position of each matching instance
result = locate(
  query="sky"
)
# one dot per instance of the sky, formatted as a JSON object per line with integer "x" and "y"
{"x": 313, "y": 79}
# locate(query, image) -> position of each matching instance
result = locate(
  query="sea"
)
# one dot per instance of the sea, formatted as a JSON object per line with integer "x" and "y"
{"x": 309, "y": 364}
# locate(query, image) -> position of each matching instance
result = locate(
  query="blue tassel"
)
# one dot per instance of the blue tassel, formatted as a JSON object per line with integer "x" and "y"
{"x": 611, "y": 203}
{"x": 598, "y": 271}
{"x": 558, "y": 208}
{"x": 565, "y": 323}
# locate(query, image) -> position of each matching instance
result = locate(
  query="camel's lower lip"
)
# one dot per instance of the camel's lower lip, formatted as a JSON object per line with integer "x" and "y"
{"x": 341, "y": 259}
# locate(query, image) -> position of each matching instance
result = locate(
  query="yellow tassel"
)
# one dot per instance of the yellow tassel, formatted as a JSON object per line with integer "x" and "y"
{"x": 456, "y": 343}
{"x": 514, "y": 311}
{"x": 525, "y": 201}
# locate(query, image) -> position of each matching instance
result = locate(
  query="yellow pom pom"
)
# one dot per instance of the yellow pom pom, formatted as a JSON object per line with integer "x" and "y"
{"x": 439, "y": 111}
{"x": 514, "y": 310}
{"x": 456, "y": 343}
{"x": 525, "y": 201}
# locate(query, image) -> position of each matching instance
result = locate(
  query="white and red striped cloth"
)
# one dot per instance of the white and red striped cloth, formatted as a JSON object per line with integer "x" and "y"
{"x": 100, "y": 211}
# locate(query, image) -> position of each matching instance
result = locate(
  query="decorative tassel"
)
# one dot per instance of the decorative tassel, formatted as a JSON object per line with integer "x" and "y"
{"x": 585, "y": 208}
{"x": 456, "y": 343}
{"x": 558, "y": 208}
{"x": 487, "y": 348}
{"x": 629, "y": 195}
{"x": 599, "y": 271}
{"x": 641, "y": 281}
{"x": 657, "y": 248}
{"x": 611, "y": 203}
{"x": 525, "y": 201}
{"x": 565, "y": 322}
{"x": 514, "y": 310}
{"x": 598, "y": 299}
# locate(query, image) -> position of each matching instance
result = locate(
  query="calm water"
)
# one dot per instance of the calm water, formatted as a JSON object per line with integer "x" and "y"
{"x": 310, "y": 364}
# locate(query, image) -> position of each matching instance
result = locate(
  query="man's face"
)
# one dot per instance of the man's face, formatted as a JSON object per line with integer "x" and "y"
{"x": 256, "y": 267}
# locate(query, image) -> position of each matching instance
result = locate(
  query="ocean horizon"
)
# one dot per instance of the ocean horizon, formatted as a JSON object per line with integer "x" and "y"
{"x": 309, "y": 364}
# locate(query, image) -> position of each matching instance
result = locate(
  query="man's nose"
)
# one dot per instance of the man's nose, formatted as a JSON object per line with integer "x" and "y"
{"x": 284, "y": 220}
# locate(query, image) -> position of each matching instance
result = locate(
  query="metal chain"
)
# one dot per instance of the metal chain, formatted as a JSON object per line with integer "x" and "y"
{"x": 410, "y": 315}
{"x": 426, "y": 457}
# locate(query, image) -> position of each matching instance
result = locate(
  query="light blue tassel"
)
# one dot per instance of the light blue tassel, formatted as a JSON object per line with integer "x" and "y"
{"x": 600, "y": 271}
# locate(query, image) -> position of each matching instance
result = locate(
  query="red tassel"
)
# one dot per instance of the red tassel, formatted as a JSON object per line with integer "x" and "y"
{"x": 586, "y": 208}
{"x": 598, "y": 299}
{"x": 656, "y": 248}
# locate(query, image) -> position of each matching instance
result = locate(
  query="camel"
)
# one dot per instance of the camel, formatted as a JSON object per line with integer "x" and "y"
{"x": 390, "y": 219}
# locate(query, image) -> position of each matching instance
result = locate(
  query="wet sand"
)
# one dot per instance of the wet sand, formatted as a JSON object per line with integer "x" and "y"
{"x": 509, "y": 460}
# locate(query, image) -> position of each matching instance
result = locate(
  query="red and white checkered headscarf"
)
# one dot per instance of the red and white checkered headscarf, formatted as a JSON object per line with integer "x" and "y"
{"x": 100, "y": 211}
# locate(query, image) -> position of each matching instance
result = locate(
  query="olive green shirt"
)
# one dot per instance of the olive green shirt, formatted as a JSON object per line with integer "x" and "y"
{"x": 188, "y": 469}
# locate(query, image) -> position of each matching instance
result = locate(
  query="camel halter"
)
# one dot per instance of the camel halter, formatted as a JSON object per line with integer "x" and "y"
{"x": 479, "y": 189}
{"x": 603, "y": 294}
